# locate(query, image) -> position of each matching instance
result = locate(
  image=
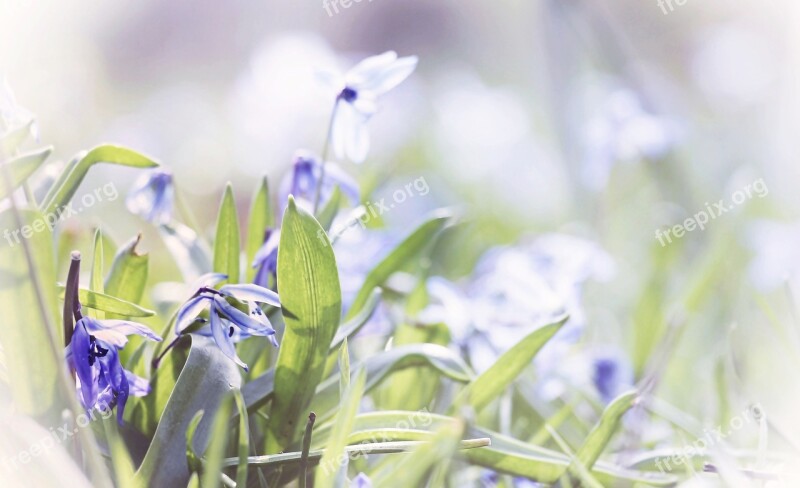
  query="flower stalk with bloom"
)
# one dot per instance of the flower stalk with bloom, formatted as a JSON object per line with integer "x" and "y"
{"x": 356, "y": 102}
{"x": 152, "y": 197}
{"x": 92, "y": 353}
{"x": 227, "y": 322}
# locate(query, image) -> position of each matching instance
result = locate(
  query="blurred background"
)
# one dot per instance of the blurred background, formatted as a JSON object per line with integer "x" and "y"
{"x": 602, "y": 120}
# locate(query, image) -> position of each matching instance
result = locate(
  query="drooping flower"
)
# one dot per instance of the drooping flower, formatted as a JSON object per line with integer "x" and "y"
{"x": 227, "y": 323}
{"x": 152, "y": 197}
{"x": 93, "y": 354}
{"x": 356, "y": 101}
{"x": 306, "y": 176}
{"x": 611, "y": 375}
{"x": 361, "y": 481}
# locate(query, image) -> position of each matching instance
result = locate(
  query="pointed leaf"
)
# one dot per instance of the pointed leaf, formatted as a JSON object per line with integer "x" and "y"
{"x": 261, "y": 218}
{"x": 23, "y": 166}
{"x": 226, "y": 241}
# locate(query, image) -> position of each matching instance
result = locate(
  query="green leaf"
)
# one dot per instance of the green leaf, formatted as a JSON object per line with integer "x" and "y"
{"x": 607, "y": 426}
{"x": 380, "y": 366}
{"x": 23, "y": 166}
{"x": 128, "y": 276}
{"x": 32, "y": 382}
{"x": 13, "y": 138}
{"x": 96, "y": 275}
{"x": 218, "y": 444}
{"x": 244, "y": 439}
{"x": 226, "y": 241}
{"x": 413, "y": 247}
{"x": 120, "y": 457}
{"x": 350, "y": 327}
{"x": 65, "y": 187}
{"x": 344, "y": 369}
{"x": 330, "y": 471}
{"x": 261, "y": 218}
{"x": 331, "y": 208}
{"x": 505, "y": 370}
{"x": 311, "y": 304}
{"x": 206, "y": 378}
{"x": 107, "y": 303}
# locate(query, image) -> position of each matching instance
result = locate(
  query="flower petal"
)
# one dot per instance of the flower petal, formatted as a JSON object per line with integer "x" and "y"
{"x": 189, "y": 311}
{"x": 390, "y": 77}
{"x": 209, "y": 280}
{"x": 224, "y": 341}
{"x": 241, "y": 319}
{"x": 248, "y": 292}
{"x": 79, "y": 348}
{"x": 127, "y": 327}
{"x": 369, "y": 68}
{"x": 138, "y": 386}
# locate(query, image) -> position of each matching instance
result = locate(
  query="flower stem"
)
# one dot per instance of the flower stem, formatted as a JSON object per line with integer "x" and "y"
{"x": 71, "y": 302}
{"x": 306, "y": 447}
{"x": 157, "y": 360}
{"x": 324, "y": 155}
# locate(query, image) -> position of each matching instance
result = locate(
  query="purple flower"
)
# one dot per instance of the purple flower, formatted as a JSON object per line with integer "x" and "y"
{"x": 611, "y": 374}
{"x": 361, "y": 481}
{"x": 266, "y": 259}
{"x": 227, "y": 323}
{"x": 305, "y": 176}
{"x": 358, "y": 91}
{"x": 93, "y": 355}
{"x": 152, "y": 197}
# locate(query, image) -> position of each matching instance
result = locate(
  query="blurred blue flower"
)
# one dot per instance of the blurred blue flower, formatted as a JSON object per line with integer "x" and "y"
{"x": 152, "y": 197}
{"x": 611, "y": 375}
{"x": 358, "y": 91}
{"x": 92, "y": 354}
{"x": 305, "y": 176}
{"x": 266, "y": 259}
{"x": 223, "y": 316}
{"x": 361, "y": 481}
{"x": 13, "y": 115}
{"x": 622, "y": 130}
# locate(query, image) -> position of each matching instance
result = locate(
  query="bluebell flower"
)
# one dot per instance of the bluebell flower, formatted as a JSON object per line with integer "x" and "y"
{"x": 152, "y": 197}
{"x": 356, "y": 101}
{"x": 611, "y": 374}
{"x": 93, "y": 354}
{"x": 303, "y": 180}
{"x": 227, "y": 323}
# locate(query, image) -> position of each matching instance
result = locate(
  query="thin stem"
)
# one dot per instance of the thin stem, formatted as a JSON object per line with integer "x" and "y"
{"x": 71, "y": 296}
{"x": 163, "y": 353}
{"x": 324, "y": 155}
{"x": 306, "y": 447}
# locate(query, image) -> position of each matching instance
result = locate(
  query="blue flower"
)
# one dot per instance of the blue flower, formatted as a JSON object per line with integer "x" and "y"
{"x": 152, "y": 197}
{"x": 305, "y": 176}
{"x": 227, "y": 323}
{"x": 358, "y": 91}
{"x": 361, "y": 481}
{"x": 611, "y": 374}
{"x": 93, "y": 354}
{"x": 266, "y": 259}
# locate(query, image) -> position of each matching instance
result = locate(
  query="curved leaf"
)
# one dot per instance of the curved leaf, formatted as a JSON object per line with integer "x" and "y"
{"x": 107, "y": 303}
{"x": 65, "y": 187}
{"x": 23, "y": 166}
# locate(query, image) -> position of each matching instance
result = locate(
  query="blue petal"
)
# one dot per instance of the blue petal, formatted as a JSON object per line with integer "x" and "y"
{"x": 115, "y": 376}
{"x": 252, "y": 293}
{"x": 79, "y": 347}
{"x": 127, "y": 327}
{"x": 242, "y": 319}
{"x": 189, "y": 311}
{"x": 223, "y": 340}
{"x": 138, "y": 386}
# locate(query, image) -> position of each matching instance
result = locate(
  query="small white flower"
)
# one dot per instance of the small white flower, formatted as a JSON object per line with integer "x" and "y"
{"x": 358, "y": 92}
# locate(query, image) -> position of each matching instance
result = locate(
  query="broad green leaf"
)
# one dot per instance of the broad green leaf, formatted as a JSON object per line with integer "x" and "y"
{"x": 260, "y": 219}
{"x": 23, "y": 166}
{"x": 194, "y": 460}
{"x": 505, "y": 370}
{"x": 329, "y": 472}
{"x": 65, "y": 187}
{"x": 605, "y": 429}
{"x": 107, "y": 303}
{"x": 26, "y": 318}
{"x": 206, "y": 378}
{"x": 217, "y": 445}
{"x": 128, "y": 276}
{"x": 226, "y": 240}
{"x": 412, "y": 247}
{"x": 311, "y": 303}
{"x": 120, "y": 457}
{"x": 331, "y": 208}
